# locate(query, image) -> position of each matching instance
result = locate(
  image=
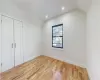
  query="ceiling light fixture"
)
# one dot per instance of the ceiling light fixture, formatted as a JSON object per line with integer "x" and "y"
{"x": 63, "y": 8}
{"x": 46, "y": 16}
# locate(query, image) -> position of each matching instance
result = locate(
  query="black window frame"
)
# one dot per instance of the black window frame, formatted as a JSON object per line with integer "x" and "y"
{"x": 57, "y": 36}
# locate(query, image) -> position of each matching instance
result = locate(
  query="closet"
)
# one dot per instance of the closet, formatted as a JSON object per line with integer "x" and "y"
{"x": 11, "y": 43}
{"x": 18, "y": 42}
{"x": 0, "y": 43}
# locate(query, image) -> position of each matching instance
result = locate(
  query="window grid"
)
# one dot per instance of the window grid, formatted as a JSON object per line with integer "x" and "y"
{"x": 57, "y": 36}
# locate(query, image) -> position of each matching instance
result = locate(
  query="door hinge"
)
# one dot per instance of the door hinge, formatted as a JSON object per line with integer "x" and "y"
{"x": 1, "y": 64}
{"x": 1, "y": 21}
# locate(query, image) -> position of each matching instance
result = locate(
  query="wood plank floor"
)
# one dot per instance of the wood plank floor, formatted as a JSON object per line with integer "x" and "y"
{"x": 41, "y": 69}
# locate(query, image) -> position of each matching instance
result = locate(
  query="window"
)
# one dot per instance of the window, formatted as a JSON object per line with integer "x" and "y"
{"x": 57, "y": 36}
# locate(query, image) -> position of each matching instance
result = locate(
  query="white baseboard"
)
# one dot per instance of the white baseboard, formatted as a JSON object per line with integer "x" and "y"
{"x": 69, "y": 61}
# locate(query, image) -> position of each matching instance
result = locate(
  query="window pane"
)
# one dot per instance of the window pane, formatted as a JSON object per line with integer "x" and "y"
{"x": 57, "y": 45}
{"x": 57, "y": 31}
{"x": 57, "y": 40}
{"x": 57, "y": 36}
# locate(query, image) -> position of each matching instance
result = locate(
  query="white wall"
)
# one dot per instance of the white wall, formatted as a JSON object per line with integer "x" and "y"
{"x": 32, "y": 41}
{"x": 31, "y": 28}
{"x": 93, "y": 41}
{"x": 74, "y": 38}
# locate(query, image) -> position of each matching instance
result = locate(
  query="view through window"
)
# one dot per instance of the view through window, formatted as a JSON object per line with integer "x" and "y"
{"x": 57, "y": 36}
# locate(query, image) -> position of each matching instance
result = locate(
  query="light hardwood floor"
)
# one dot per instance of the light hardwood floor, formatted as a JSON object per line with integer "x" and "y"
{"x": 41, "y": 69}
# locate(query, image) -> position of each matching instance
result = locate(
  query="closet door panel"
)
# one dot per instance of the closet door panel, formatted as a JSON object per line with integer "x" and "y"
{"x": 18, "y": 42}
{"x": 7, "y": 46}
{"x": 0, "y": 43}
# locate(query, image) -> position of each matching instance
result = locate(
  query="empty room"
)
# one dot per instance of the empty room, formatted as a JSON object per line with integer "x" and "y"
{"x": 49, "y": 40}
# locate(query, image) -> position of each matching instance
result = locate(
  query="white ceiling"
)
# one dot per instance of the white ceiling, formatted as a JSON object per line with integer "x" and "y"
{"x": 41, "y": 8}
{"x": 84, "y": 4}
{"x": 37, "y": 9}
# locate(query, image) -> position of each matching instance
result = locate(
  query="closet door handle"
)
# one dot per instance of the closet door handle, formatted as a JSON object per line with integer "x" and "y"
{"x": 12, "y": 45}
{"x": 15, "y": 45}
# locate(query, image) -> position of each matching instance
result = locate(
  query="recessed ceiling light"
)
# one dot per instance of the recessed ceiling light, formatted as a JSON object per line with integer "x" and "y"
{"x": 63, "y": 8}
{"x": 46, "y": 16}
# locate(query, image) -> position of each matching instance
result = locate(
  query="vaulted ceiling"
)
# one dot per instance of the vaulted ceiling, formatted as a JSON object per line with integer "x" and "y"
{"x": 38, "y": 9}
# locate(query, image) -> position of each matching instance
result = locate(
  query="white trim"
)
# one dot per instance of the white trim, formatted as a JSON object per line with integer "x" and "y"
{"x": 68, "y": 61}
{"x": 10, "y": 17}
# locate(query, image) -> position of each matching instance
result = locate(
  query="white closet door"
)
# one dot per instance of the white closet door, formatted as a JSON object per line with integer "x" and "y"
{"x": 0, "y": 43}
{"x": 18, "y": 42}
{"x": 7, "y": 40}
